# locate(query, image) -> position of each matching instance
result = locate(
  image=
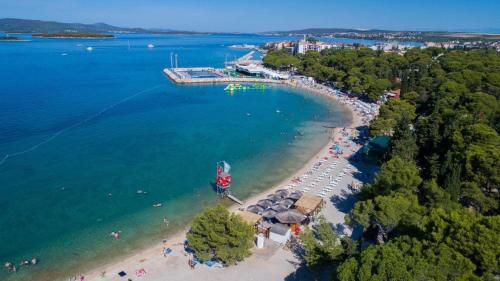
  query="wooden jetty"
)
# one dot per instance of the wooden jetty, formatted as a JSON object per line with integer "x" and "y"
{"x": 230, "y": 196}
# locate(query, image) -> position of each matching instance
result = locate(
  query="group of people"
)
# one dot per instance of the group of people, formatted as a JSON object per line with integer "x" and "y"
{"x": 11, "y": 267}
{"x": 79, "y": 278}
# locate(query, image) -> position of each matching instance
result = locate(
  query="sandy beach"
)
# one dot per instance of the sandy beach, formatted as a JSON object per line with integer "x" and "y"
{"x": 271, "y": 263}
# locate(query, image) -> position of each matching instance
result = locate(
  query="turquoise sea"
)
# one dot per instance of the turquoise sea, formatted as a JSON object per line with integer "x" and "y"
{"x": 78, "y": 125}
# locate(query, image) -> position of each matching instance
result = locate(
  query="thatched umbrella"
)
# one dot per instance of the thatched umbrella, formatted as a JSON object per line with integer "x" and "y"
{"x": 269, "y": 214}
{"x": 274, "y": 197}
{"x": 295, "y": 195}
{"x": 265, "y": 203}
{"x": 290, "y": 216}
{"x": 279, "y": 208}
{"x": 287, "y": 203}
{"x": 255, "y": 209}
{"x": 281, "y": 193}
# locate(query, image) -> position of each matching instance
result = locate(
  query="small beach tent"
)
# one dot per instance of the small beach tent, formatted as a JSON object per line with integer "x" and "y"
{"x": 255, "y": 209}
{"x": 380, "y": 142}
{"x": 376, "y": 147}
{"x": 265, "y": 203}
{"x": 280, "y": 233}
{"x": 249, "y": 217}
{"x": 308, "y": 204}
{"x": 290, "y": 216}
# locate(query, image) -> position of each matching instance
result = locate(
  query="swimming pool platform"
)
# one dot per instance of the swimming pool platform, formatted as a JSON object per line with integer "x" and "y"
{"x": 210, "y": 75}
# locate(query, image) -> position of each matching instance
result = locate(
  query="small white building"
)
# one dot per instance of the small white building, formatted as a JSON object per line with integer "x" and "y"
{"x": 259, "y": 70}
{"x": 280, "y": 233}
{"x": 302, "y": 46}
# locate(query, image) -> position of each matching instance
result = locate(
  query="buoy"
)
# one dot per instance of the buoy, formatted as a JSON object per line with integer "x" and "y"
{"x": 90, "y": 49}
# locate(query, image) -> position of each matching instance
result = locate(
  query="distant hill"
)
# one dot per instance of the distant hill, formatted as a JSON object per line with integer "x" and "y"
{"x": 11, "y": 25}
{"x": 326, "y": 31}
{"x": 379, "y": 34}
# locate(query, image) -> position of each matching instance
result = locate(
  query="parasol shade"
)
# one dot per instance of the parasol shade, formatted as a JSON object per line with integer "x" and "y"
{"x": 255, "y": 209}
{"x": 265, "y": 203}
{"x": 290, "y": 216}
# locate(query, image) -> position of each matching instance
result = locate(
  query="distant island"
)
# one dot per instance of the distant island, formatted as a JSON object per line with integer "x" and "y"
{"x": 12, "y": 25}
{"x": 73, "y": 35}
{"x": 8, "y": 38}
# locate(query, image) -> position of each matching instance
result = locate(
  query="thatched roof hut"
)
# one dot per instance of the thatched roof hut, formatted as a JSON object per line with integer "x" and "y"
{"x": 281, "y": 193}
{"x": 287, "y": 203}
{"x": 265, "y": 203}
{"x": 308, "y": 203}
{"x": 269, "y": 214}
{"x": 279, "y": 208}
{"x": 255, "y": 209}
{"x": 295, "y": 195}
{"x": 290, "y": 216}
{"x": 274, "y": 197}
{"x": 249, "y": 217}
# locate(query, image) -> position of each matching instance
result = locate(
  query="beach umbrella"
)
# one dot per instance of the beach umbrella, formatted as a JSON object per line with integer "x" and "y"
{"x": 265, "y": 203}
{"x": 281, "y": 193}
{"x": 295, "y": 195}
{"x": 255, "y": 209}
{"x": 269, "y": 214}
{"x": 279, "y": 208}
{"x": 287, "y": 203}
{"x": 290, "y": 216}
{"x": 274, "y": 197}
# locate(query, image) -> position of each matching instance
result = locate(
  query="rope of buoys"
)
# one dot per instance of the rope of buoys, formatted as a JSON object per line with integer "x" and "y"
{"x": 56, "y": 134}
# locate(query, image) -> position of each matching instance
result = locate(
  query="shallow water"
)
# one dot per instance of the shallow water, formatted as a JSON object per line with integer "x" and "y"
{"x": 79, "y": 125}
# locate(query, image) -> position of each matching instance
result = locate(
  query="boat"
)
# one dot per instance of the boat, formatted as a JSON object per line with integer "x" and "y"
{"x": 90, "y": 49}
{"x": 157, "y": 205}
{"x": 151, "y": 46}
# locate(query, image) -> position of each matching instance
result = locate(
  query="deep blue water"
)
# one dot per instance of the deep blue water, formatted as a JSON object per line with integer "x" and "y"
{"x": 76, "y": 126}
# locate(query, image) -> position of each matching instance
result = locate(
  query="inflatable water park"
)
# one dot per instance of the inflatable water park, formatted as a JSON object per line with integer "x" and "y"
{"x": 239, "y": 87}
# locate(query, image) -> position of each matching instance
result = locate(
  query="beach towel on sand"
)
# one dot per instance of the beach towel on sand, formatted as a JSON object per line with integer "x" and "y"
{"x": 140, "y": 272}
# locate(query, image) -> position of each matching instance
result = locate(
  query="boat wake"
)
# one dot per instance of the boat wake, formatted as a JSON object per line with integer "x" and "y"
{"x": 79, "y": 123}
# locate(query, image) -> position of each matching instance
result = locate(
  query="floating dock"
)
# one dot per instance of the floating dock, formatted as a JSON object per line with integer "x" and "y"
{"x": 178, "y": 76}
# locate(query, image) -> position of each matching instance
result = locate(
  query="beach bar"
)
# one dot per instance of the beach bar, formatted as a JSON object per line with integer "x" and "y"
{"x": 309, "y": 204}
{"x": 250, "y": 218}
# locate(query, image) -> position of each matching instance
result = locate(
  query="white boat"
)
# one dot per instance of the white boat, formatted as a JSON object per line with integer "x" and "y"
{"x": 151, "y": 46}
{"x": 90, "y": 49}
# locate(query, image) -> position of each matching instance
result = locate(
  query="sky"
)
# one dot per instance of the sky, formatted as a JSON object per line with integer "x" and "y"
{"x": 270, "y": 15}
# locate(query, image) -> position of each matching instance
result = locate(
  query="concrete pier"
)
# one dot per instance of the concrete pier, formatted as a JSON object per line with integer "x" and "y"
{"x": 174, "y": 76}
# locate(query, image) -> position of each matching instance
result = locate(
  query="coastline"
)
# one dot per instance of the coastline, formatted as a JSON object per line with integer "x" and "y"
{"x": 151, "y": 257}
{"x": 71, "y": 37}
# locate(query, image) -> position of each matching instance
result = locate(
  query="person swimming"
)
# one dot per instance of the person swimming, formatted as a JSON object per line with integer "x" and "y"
{"x": 116, "y": 234}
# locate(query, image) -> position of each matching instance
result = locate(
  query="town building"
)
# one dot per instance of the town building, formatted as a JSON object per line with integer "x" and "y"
{"x": 301, "y": 46}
